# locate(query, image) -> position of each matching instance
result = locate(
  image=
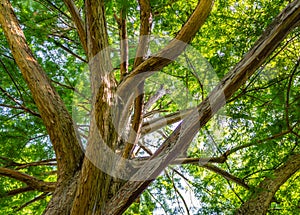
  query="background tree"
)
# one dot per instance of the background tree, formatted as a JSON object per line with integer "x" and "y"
{"x": 55, "y": 138}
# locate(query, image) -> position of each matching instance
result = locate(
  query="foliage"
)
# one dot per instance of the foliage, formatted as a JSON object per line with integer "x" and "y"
{"x": 263, "y": 116}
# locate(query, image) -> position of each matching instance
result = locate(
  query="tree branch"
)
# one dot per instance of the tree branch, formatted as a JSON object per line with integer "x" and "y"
{"x": 42, "y": 196}
{"x": 50, "y": 162}
{"x": 145, "y": 31}
{"x": 55, "y": 116}
{"x": 78, "y": 23}
{"x": 169, "y": 119}
{"x": 254, "y": 143}
{"x": 68, "y": 50}
{"x": 261, "y": 198}
{"x": 225, "y": 174}
{"x": 18, "y": 191}
{"x": 29, "y": 180}
{"x": 167, "y": 55}
{"x": 180, "y": 139}
{"x": 124, "y": 52}
{"x": 20, "y": 107}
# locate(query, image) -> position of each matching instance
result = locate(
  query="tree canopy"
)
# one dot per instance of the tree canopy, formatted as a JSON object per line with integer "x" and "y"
{"x": 149, "y": 107}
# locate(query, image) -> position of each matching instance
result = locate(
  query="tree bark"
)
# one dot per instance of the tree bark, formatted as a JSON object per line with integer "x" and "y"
{"x": 180, "y": 139}
{"x": 82, "y": 187}
{"x": 260, "y": 200}
{"x": 94, "y": 184}
{"x": 56, "y": 118}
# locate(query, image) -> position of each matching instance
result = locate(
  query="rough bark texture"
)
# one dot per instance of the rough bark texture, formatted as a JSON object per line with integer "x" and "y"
{"x": 55, "y": 116}
{"x": 95, "y": 185}
{"x": 82, "y": 187}
{"x": 260, "y": 200}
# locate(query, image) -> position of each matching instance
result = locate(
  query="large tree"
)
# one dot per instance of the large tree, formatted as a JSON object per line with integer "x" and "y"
{"x": 92, "y": 118}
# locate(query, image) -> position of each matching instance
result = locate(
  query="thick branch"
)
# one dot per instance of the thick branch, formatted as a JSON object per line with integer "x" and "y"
{"x": 29, "y": 180}
{"x": 124, "y": 52}
{"x": 52, "y": 109}
{"x": 78, "y": 23}
{"x": 261, "y": 198}
{"x": 179, "y": 161}
{"x": 145, "y": 30}
{"x": 180, "y": 139}
{"x": 164, "y": 57}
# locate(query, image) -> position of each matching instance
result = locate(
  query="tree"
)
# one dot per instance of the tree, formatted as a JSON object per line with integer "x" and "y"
{"x": 99, "y": 166}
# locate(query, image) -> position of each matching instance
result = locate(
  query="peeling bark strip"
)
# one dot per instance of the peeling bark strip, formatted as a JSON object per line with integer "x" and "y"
{"x": 261, "y": 198}
{"x": 55, "y": 116}
{"x": 184, "y": 133}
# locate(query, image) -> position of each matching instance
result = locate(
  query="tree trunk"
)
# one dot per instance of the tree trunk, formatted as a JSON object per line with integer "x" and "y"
{"x": 83, "y": 187}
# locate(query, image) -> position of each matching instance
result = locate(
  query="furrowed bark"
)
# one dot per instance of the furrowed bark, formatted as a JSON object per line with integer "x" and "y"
{"x": 55, "y": 116}
{"x": 94, "y": 184}
{"x": 145, "y": 31}
{"x": 180, "y": 139}
{"x": 261, "y": 198}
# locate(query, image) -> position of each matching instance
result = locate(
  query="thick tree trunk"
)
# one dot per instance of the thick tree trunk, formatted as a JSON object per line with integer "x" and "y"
{"x": 95, "y": 184}
{"x": 82, "y": 187}
{"x": 56, "y": 118}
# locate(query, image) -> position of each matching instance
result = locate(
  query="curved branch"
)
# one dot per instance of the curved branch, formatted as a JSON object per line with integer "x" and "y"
{"x": 55, "y": 116}
{"x": 165, "y": 56}
{"x": 29, "y": 180}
